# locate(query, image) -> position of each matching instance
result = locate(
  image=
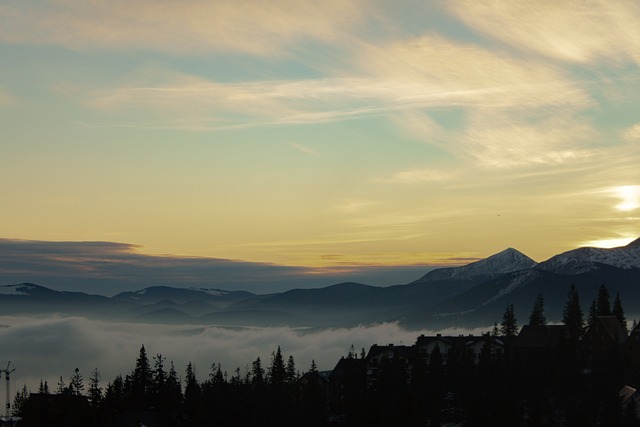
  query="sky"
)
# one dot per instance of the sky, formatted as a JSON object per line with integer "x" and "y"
{"x": 324, "y": 137}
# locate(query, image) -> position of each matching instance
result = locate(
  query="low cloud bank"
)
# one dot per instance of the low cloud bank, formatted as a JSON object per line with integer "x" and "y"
{"x": 108, "y": 268}
{"x": 47, "y": 348}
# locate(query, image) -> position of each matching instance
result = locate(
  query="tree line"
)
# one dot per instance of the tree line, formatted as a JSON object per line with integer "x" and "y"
{"x": 259, "y": 395}
{"x": 572, "y": 315}
{"x": 491, "y": 388}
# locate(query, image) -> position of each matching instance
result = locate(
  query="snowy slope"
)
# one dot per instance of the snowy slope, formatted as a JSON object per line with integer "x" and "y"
{"x": 21, "y": 289}
{"x": 507, "y": 261}
{"x": 155, "y": 294}
{"x": 584, "y": 260}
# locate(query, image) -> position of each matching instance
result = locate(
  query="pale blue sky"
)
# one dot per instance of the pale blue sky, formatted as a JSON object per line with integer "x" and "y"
{"x": 333, "y": 133}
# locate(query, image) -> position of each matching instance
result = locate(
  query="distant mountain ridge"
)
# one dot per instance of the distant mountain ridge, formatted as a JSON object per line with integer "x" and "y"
{"x": 468, "y": 296}
{"x": 507, "y": 261}
{"x": 583, "y": 260}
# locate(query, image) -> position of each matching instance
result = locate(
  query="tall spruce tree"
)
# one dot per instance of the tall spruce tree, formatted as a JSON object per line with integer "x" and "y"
{"x": 95, "y": 391}
{"x": 76, "y": 383}
{"x": 192, "y": 394}
{"x": 509, "y": 324}
{"x": 172, "y": 394}
{"x": 62, "y": 388}
{"x": 19, "y": 402}
{"x": 603, "y": 305}
{"x": 142, "y": 380}
{"x": 572, "y": 315}
{"x": 618, "y": 312}
{"x": 537, "y": 317}
{"x": 495, "y": 331}
{"x": 277, "y": 371}
{"x": 158, "y": 376}
{"x": 44, "y": 387}
{"x": 257, "y": 372}
{"x": 291, "y": 373}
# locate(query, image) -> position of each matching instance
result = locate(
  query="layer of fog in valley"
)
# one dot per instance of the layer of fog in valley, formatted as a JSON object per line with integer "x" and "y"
{"x": 49, "y": 347}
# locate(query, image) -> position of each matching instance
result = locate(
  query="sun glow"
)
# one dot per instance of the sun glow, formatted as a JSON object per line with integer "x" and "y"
{"x": 609, "y": 243}
{"x": 630, "y": 195}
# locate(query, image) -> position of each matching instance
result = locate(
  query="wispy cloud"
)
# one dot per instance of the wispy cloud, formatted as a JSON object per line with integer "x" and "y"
{"x": 495, "y": 141}
{"x": 581, "y": 32}
{"x": 200, "y": 104}
{"x": 470, "y": 75}
{"x": 186, "y": 27}
{"x": 632, "y": 133}
{"x": 354, "y": 205}
{"x": 414, "y": 176}
{"x": 304, "y": 149}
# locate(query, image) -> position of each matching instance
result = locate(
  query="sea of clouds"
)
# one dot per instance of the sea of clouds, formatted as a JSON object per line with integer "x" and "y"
{"x": 50, "y": 347}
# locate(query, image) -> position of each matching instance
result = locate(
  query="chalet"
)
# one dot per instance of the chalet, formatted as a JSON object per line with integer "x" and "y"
{"x": 476, "y": 346}
{"x": 453, "y": 348}
{"x": 449, "y": 347}
{"x": 537, "y": 343}
{"x": 348, "y": 378}
{"x": 630, "y": 400}
{"x": 385, "y": 359}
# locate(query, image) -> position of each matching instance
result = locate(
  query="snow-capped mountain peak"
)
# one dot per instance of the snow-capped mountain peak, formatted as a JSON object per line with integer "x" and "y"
{"x": 583, "y": 260}
{"x": 507, "y": 261}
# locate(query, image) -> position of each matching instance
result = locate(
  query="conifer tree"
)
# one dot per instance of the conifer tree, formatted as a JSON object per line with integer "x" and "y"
{"x": 115, "y": 390}
{"x": 19, "y": 402}
{"x": 313, "y": 367}
{"x": 140, "y": 383}
{"x": 618, "y": 312}
{"x": 159, "y": 376}
{"x": 257, "y": 372}
{"x": 171, "y": 396}
{"x": 509, "y": 324}
{"x": 62, "y": 388}
{"x": 572, "y": 315}
{"x": 537, "y": 317}
{"x": 191, "y": 388}
{"x": 76, "y": 383}
{"x": 192, "y": 393}
{"x": 236, "y": 378}
{"x": 277, "y": 371}
{"x": 603, "y": 306}
{"x": 495, "y": 331}
{"x": 291, "y": 373}
{"x": 352, "y": 353}
{"x": 216, "y": 376}
{"x": 95, "y": 391}
{"x": 44, "y": 387}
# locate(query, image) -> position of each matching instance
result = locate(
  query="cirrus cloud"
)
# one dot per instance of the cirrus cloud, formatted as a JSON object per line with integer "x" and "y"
{"x": 186, "y": 27}
{"x": 569, "y": 31}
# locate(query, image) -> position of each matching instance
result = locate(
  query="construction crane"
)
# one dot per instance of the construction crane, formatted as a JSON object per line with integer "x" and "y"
{"x": 7, "y": 376}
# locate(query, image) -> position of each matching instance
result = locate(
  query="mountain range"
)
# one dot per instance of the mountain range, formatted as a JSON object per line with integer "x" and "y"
{"x": 470, "y": 296}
